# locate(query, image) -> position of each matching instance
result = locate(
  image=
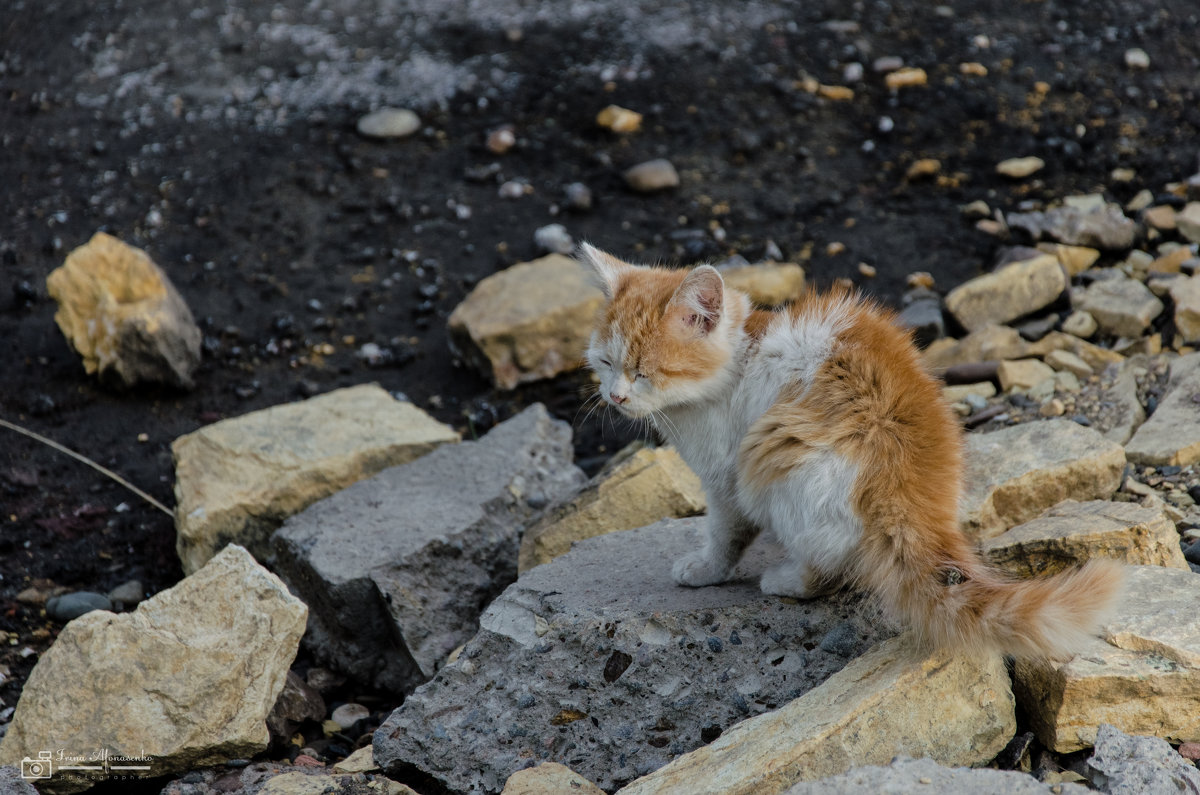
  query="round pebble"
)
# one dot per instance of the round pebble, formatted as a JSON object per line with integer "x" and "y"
{"x": 653, "y": 175}
{"x": 1020, "y": 167}
{"x": 72, "y": 605}
{"x": 554, "y": 238}
{"x": 349, "y": 714}
{"x": 1137, "y": 58}
{"x": 579, "y": 196}
{"x": 127, "y": 594}
{"x": 389, "y": 123}
{"x": 501, "y": 140}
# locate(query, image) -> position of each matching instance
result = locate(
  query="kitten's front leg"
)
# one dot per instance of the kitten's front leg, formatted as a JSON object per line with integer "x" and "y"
{"x": 728, "y": 536}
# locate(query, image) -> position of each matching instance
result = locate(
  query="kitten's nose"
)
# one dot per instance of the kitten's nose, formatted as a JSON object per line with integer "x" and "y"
{"x": 618, "y": 399}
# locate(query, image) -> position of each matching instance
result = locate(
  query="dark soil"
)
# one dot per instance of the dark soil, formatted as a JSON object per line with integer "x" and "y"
{"x": 222, "y": 140}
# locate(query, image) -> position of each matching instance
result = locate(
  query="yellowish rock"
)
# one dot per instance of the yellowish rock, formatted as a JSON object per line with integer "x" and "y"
{"x": 527, "y": 322}
{"x": 1015, "y": 473}
{"x": 1080, "y": 324}
{"x": 952, "y": 708}
{"x": 959, "y": 392}
{"x": 1143, "y": 677}
{"x": 925, "y": 167}
{"x": 1071, "y": 363}
{"x": 1185, "y": 294}
{"x": 238, "y": 479}
{"x": 549, "y": 778}
{"x": 1008, "y": 293}
{"x": 1161, "y": 217}
{"x": 1073, "y": 532}
{"x": 1172, "y": 261}
{"x": 1075, "y": 259}
{"x": 990, "y": 343}
{"x": 361, "y": 761}
{"x": 652, "y": 484}
{"x": 768, "y": 283}
{"x": 906, "y": 77}
{"x": 1022, "y": 373}
{"x": 620, "y": 120}
{"x": 1020, "y": 167}
{"x": 836, "y": 93}
{"x": 123, "y": 316}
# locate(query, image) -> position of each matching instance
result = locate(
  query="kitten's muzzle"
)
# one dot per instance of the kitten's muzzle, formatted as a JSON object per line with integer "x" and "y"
{"x": 618, "y": 398}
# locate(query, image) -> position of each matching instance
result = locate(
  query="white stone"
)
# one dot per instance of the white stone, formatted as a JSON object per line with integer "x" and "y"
{"x": 389, "y": 123}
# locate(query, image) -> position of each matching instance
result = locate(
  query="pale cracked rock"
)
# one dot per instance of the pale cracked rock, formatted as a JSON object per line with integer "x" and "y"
{"x": 549, "y": 778}
{"x": 1104, "y": 226}
{"x": 1172, "y": 434}
{"x": 599, "y": 661}
{"x": 1143, "y": 677}
{"x": 1121, "y": 764}
{"x": 650, "y": 485}
{"x": 1126, "y": 413}
{"x": 1022, "y": 373}
{"x": 951, "y": 708}
{"x": 1072, "y": 532}
{"x": 397, "y": 567}
{"x": 186, "y": 680}
{"x": 123, "y": 316}
{"x": 1015, "y": 473}
{"x": 238, "y": 479}
{"x": 927, "y": 777}
{"x": 1008, "y": 293}
{"x": 768, "y": 283}
{"x": 527, "y": 322}
{"x": 1185, "y": 294}
{"x": 1121, "y": 307}
{"x": 1187, "y": 221}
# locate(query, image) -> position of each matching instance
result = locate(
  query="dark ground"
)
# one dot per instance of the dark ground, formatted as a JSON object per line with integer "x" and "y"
{"x": 221, "y": 139}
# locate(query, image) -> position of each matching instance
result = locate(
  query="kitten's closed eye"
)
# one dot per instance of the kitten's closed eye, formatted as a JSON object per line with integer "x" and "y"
{"x": 606, "y": 362}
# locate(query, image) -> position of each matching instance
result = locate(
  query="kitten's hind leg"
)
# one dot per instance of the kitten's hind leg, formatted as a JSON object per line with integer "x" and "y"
{"x": 729, "y": 533}
{"x": 797, "y": 579}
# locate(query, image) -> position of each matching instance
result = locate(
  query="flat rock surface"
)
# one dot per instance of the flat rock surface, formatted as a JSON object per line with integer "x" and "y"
{"x": 1171, "y": 436}
{"x": 1143, "y": 677}
{"x": 905, "y": 776}
{"x": 397, "y": 567}
{"x": 599, "y": 661}
{"x": 238, "y": 479}
{"x": 1015, "y": 473}
{"x": 1072, "y": 532}
{"x": 892, "y": 700}
{"x": 1008, "y": 293}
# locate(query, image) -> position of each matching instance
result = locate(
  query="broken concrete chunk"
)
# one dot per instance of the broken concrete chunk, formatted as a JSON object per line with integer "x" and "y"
{"x": 397, "y": 567}
{"x": 599, "y": 660}
{"x": 1143, "y": 677}
{"x": 121, "y": 313}
{"x": 1072, "y": 532}
{"x": 238, "y": 479}
{"x": 186, "y": 680}
{"x": 893, "y": 700}
{"x": 1125, "y": 765}
{"x": 1172, "y": 434}
{"x": 652, "y": 484}
{"x": 527, "y": 322}
{"x": 1015, "y": 473}
{"x": 1008, "y": 293}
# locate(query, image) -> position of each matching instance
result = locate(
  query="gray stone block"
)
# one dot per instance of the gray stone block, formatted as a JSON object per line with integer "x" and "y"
{"x": 396, "y": 568}
{"x": 927, "y": 777}
{"x": 599, "y": 661}
{"x": 1125, "y": 765}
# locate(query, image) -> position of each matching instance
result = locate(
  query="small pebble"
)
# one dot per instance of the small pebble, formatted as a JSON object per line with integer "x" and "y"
{"x": 1053, "y": 408}
{"x": 127, "y": 594}
{"x": 72, "y": 605}
{"x": 906, "y": 78}
{"x": 653, "y": 175}
{"x": 1137, "y": 58}
{"x": 1020, "y": 167}
{"x": 389, "y": 123}
{"x": 501, "y": 140}
{"x": 554, "y": 238}
{"x": 619, "y": 120}
{"x": 349, "y": 714}
{"x": 579, "y": 196}
{"x": 919, "y": 279}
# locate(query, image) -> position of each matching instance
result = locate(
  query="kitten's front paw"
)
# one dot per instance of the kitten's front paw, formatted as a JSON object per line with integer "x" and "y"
{"x": 786, "y": 580}
{"x": 697, "y": 569}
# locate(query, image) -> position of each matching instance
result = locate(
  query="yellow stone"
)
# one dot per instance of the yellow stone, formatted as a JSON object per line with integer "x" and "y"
{"x": 907, "y": 77}
{"x": 620, "y": 120}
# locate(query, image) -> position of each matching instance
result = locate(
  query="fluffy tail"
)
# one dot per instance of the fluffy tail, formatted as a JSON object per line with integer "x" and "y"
{"x": 964, "y": 603}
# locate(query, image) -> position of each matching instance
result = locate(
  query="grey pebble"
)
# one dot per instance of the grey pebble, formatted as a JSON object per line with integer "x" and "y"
{"x": 127, "y": 594}
{"x": 72, "y": 605}
{"x": 652, "y": 175}
{"x": 389, "y": 123}
{"x": 554, "y": 238}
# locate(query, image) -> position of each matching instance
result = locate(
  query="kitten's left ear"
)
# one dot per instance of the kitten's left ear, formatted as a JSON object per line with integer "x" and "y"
{"x": 701, "y": 296}
{"x": 607, "y": 267}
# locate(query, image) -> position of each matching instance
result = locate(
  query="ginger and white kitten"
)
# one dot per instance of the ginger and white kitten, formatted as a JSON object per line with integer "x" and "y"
{"x": 820, "y": 425}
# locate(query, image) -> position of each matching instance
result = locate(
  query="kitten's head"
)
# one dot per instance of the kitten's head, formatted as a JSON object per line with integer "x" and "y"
{"x": 664, "y": 337}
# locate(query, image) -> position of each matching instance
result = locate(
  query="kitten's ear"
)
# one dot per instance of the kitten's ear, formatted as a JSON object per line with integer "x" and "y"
{"x": 701, "y": 296}
{"x": 607, "y": 267}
